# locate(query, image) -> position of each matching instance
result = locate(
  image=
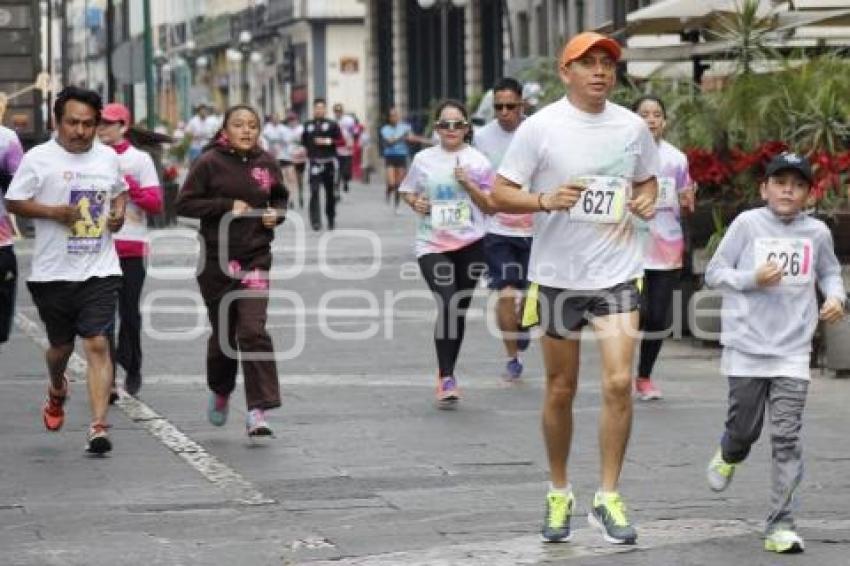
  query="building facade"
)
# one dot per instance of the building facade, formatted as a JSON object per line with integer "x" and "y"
{"x": 421, "y": 51}
{"x": 275, "y": 55}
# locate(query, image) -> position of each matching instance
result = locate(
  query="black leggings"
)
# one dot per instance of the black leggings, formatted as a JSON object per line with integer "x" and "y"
{"x": 658, "y": 287}
{"x": 8, "y": 287}
{"x": 452, "y": 276}
{"x": 127, "y": 349}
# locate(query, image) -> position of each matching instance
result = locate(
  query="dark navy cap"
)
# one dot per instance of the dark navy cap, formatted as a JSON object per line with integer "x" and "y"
{"x": 792, "y": 161}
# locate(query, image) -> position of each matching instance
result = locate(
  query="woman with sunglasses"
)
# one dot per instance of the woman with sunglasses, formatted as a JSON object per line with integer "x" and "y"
{"x": 236, "y": 190}
{"x": 448, "y": 186}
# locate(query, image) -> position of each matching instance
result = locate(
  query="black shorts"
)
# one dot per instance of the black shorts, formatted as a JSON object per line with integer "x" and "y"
{"x": 76, "y": 308}
{"x": 396, "y": 161}
{"x": 507, "y": 260}
{"x": 344, "y": 166}
{"x": 563, "y": 313}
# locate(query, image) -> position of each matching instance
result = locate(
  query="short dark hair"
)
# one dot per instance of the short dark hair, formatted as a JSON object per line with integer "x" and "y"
{"x": 651, "y": 98}
{"x": 319, "y": 100}
{"x": 84, "y": 95}
{"x": 508, "y": 83}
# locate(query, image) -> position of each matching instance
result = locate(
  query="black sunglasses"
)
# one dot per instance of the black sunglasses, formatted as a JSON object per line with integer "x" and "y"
{"x": 452, "y": 124}
{"x": 506, "y": 106}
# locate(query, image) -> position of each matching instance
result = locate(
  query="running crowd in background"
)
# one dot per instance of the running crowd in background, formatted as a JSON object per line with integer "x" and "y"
{"x": 573, "y": 213}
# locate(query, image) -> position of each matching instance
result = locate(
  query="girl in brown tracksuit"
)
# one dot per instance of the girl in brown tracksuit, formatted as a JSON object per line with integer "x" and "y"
{"x": 236, "y": 190}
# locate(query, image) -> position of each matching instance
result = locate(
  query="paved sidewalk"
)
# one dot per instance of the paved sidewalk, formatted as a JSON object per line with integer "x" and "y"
{"x": 364, "y": 470}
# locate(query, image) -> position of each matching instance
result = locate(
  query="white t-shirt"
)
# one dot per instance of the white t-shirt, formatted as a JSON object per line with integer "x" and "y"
{"x": 662, "y": 237}
{"x": 347, "y": 123}
{"x": 139, "y": 166}
{"x": 50, "y": 175}
{"x": 493, "y": 141}
{"x": 202, "y": 130}
{"x": 292, "y": 149}
{"x": 559, "y": 144}
{"x": 455, "y": 221}
{"x": 274, "y": 136}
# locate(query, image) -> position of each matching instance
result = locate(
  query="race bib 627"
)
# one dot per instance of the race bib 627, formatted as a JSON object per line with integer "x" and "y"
{"x": 602, "y": 201}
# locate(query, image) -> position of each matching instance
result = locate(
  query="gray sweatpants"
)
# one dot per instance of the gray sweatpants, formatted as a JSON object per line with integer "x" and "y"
{"x": 785, "y": 398}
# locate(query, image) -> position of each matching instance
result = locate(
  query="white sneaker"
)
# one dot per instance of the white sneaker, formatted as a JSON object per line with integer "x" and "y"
{"x": 256, "y": 425}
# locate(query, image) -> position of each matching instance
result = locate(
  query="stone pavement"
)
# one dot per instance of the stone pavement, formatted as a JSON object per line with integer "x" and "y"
{"x": 364, "y": 470}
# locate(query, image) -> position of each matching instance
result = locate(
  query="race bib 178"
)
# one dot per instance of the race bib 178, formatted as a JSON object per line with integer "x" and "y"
{"x": 451, "y": 215}
{"x": 602, "y": 201}
{"x": 667, "y": 195}
{"x": 793, "y": 256}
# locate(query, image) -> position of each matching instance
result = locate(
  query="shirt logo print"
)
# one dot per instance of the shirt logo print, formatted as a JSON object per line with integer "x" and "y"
{"x": 263, "y": 178}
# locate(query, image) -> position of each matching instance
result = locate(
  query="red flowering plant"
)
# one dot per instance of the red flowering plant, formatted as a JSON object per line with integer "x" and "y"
{"x": 731, "y": 178}
{"x": 832, "y": 173}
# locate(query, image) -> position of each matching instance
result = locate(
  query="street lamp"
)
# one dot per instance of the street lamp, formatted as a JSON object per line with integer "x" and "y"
{"x": 245, "y": 39}
{"x": 444, "y": 6}
{"x": 160, "y": 60}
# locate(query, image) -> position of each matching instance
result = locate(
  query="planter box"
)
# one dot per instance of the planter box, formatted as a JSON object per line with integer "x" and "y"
{"x": 837, "y": 344}
{"x": 839, "y": 225}
{"x": 704, "y": 315}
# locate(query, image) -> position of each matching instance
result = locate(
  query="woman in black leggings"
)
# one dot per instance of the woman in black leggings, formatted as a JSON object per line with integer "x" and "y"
{"x": 448, "y": 186}
{"x": 664, "y": 244}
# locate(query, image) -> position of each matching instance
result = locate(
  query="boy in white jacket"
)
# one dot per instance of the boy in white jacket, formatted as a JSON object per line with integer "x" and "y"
{"x": 767, "y": 266}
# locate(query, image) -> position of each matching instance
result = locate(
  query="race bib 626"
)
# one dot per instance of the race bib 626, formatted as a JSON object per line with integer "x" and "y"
{"x": 793, "y": 256}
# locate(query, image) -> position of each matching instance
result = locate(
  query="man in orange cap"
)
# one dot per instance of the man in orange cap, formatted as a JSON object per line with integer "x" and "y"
{"x": 589, "y": 165}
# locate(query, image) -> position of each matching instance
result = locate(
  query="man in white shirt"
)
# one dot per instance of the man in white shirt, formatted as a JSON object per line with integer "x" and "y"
{"x": 73, "y": 189}
{"x": 201, "y": 127}
{"x": 507, "y": 244}
{"x": 589, "y": 164}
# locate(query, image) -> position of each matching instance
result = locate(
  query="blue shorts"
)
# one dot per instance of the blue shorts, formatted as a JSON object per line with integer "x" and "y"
{"x": 507, "y": 260}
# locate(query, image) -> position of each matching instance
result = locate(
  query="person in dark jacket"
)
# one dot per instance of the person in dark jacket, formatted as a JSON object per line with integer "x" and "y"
{"x": 236, "y": 190}
{"x": 320, "y": 138}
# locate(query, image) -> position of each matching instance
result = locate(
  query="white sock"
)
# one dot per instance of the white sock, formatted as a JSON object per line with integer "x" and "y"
{"x": 567, "y": 489}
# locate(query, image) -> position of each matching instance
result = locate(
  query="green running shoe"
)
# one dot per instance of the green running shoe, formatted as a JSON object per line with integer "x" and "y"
{"x": 556, "y": 523}
{"x": 719, "y": 472}
{"x": 784, "y": 541}
{"x": 609, "y": 517}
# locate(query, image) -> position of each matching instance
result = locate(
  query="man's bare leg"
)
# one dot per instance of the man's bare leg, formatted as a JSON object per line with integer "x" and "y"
{"x": 99, "y": 376}
{"x": 561, "y": 358}
{"x": 506, "y": 315}
{"x": 617, "y": 336}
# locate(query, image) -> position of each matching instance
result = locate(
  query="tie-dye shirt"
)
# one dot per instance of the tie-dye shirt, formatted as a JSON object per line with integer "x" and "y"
{"x": 662, "y": 237}
{"x": 432, "y": 174}
{"x": 560, "y": 144}
{"x": 493, "y": 141}
{"x": 11, "y": 153}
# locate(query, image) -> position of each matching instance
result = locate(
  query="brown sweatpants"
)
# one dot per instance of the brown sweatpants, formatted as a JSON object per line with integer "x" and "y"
{"x": 241, "y": 326}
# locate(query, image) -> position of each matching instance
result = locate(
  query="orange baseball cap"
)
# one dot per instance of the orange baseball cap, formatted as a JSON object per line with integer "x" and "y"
{"x": 583, "y": 42}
